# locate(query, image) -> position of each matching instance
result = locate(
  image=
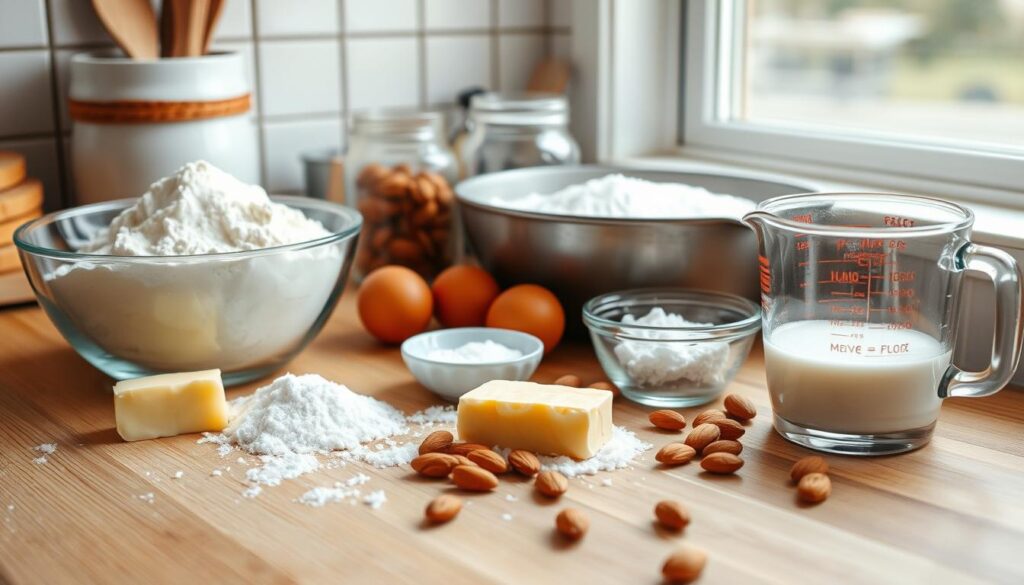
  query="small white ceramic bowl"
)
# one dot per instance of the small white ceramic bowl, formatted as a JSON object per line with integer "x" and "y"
{"x": 451, "y": 380}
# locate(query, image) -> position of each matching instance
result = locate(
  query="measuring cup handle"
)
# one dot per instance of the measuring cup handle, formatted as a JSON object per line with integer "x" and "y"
{"x": 1006, "y": 275}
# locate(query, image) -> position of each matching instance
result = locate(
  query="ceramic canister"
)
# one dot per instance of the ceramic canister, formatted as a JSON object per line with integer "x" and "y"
{"x": 136, "y": 121}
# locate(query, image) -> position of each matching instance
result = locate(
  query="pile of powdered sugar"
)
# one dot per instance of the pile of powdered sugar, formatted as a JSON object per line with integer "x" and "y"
{"x": 666, "y": 359}
{"x": 292, "y": 421}
{"x": 309, "y": 414}
{"x": 200, "y": 209}
{"x": 616, "y": 195}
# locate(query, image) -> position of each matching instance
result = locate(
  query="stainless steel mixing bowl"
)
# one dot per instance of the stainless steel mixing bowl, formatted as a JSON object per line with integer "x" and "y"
{"x": 579, "y": 258}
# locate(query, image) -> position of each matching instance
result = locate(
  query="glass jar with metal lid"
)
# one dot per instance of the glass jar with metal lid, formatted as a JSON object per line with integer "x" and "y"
{"x": 511, "y": 131}
{"x": 399, "y": 172}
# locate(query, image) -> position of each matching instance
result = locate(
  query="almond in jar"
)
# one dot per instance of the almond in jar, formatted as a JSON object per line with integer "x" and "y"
{"x": 401, "y": 173}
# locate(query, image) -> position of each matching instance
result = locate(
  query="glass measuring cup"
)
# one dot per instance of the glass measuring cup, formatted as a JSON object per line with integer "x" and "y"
{"x": 859, "y": 295}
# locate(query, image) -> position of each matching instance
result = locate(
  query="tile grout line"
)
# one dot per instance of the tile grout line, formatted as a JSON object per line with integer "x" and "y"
{"x": 495, "y": 46}
{"x": 257, "y": 84}
{"x": 549, "y": 8}
{"x": 421, "y": 45}
{"x": 57, "y": 135}
{"x": 343, "y": 78}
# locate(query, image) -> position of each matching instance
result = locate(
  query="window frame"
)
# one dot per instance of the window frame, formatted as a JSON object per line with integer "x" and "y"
{"x": 988, "y": 175}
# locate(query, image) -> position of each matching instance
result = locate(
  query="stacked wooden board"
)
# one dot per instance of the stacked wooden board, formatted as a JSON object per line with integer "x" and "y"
{"x": 21, "y": 199}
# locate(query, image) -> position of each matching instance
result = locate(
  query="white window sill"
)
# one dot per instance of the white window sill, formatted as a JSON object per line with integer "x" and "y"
{"x": 994, "y": 226}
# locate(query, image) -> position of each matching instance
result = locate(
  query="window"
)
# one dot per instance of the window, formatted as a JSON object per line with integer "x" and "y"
{"x": 917, "y": 88}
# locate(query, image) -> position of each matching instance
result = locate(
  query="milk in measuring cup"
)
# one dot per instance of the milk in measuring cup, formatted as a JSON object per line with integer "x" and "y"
{"x": 854, "y": 379}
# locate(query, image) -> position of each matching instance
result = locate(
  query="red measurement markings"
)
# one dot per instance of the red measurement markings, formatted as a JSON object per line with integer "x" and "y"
{"x": 766, "y": 274}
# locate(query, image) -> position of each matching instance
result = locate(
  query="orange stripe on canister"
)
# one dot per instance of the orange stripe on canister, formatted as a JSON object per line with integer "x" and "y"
{"x": 146, "y": 112}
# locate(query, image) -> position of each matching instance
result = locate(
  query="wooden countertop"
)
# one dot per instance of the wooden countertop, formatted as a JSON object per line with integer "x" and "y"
{"x": 952, "y": 512}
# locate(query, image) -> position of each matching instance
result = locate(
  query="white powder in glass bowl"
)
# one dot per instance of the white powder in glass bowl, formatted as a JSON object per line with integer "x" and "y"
{"x": 227, "y": 312}
{"x": 654, "y": 362}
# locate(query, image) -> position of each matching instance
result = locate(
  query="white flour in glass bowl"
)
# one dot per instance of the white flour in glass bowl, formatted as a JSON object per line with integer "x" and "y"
{"x": 229, "y": 313}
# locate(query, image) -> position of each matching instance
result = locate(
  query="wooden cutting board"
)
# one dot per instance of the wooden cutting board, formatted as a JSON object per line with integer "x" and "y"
{"x": 21, "y": 199}
{"x": 951, "y": 512}
{"x": 12, "y": 169}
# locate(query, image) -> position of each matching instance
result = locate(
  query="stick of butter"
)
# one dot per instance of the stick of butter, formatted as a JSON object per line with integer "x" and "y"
{"x": 169, "y": 405}
{"x": 546, "y": 419}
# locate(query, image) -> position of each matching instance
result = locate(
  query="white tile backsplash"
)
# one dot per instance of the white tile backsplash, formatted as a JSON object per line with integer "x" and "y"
{"x": 235, "y": 22}
{"x": 286, "y": 141}
{"x": 518, "y": 55}
{"x": 311, "y": 63}
{"x": 521, "y": 13}
{"x": 380, "y": 15}
{"x": 23, "y": 23}
{"x": 75, "y": 23}
{"x": 456, "y": 63}
{"x": 457, "y": 14}
{"x": 288, "y": 18}
{"x": 383, "y": 73}
{"x": 300, "y": 77}
{"x": 25, "y": 92}
{"x": 560, "y": 13}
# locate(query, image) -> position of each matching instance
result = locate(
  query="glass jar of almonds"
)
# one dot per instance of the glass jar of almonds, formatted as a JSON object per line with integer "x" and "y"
{"x": 401, "y": 171}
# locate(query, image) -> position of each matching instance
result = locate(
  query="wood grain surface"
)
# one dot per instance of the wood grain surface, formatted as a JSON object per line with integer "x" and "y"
{"x": 952, "y": 512}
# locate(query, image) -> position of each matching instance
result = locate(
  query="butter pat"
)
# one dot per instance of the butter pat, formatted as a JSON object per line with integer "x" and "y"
{"x": 546, "y": 419}
{"x": 169, "y": 405}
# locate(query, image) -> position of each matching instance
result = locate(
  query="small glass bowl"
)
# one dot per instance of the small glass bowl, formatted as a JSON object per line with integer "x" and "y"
{"x": 246, "y": 313}
{"x": 672, "y": 366}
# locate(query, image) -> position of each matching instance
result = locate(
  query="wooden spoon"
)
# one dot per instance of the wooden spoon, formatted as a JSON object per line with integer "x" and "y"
{"x": 196, "y": 25}
{"x": 212, "y": 18}
{"x": 132, "y": 25}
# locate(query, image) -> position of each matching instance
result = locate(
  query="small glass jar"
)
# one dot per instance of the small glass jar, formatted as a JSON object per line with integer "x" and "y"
{"x": 512, "y": 131}
{"x": 401, "y": 170}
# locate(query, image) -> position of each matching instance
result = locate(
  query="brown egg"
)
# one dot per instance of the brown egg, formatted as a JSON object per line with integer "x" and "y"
{"x": 531, "y": 309}
{"x": 462, "y": 295}
{"x": 394, "y": 304}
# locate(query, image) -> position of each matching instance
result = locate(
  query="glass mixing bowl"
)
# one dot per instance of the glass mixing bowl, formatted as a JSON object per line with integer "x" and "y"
{"x": 672, "y": 365}
{"x": 247, "y": 313}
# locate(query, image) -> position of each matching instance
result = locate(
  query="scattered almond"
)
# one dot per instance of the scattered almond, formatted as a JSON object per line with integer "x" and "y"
{"x": 473, "y": 478}
{"x": 708, "y": 416}
{"x": 814, "y": 488}
{"x": 685, "y": 564}
{"x": 443, "y": 508}
{"x": 551, "y": 484}
{"x": 668, "y": 420}
{"x": 724, "y": 446}
{"x": 572, "y": 523}
{"x": 489, "y": 460}
{"x": 810, "y": 464}
{"x": 721, "y": 463}
{"x": 606, "y": 386}
{"x": 463, "y": 460}
{"x": 437, "y": 441}
{"x": 434, "y": 464}
{"x": 524, "y": 462}
{"x": 672, "y": 514}
{"x": 675, "y": 454}
{"x": 701, "y": 436}
{"x": 740, "y": 407}
{"x": 466, "y": 448}
{"x": 569, "y": 380}
{"x": 729, "y": 429}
